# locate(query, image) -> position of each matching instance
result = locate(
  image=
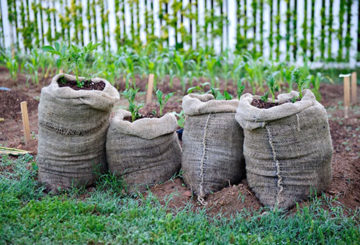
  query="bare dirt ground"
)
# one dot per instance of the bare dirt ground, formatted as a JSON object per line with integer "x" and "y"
{"x": 345, "y": 135}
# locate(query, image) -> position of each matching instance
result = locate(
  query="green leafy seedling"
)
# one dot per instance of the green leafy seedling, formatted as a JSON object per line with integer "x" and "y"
{"x": 74, "y": 57}
{"x": 273, "y": 86}
{"x": 265, "y": 97}
{"x": 130, "y": 95}
{"x": 240, "y": 88}
{"x": 181, "y": 118}
{"x": 162, "y": 100}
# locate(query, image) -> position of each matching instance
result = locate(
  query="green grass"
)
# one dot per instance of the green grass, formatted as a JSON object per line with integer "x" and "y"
{"x": 29, "y": 216}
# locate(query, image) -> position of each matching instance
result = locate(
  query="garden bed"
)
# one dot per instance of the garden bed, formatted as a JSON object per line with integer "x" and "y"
{"x": 345, "y": 135}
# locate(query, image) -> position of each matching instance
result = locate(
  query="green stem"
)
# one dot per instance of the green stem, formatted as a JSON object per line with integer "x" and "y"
{"x": 305, "y": 29}
{"x": 312, "y": 31}
{"x": 340, "y": 31}
{"x": 261, "y": 26}
{"x": 294, "y": 14}
{"x": 138, "y": 26}
{"x": 348, "y": 30}
{"x": 94, "y": 20}
{"x": 238, "y": 26}
{"x": 88, "y": 18}
{"x": 271, "y": 40}
{"x": 288, "y": 22}
{"x": 322, "y": 32}
{"x": 254, "y": 8}
{"x": 331, "y": 29}
{"x": 278, "y": 36}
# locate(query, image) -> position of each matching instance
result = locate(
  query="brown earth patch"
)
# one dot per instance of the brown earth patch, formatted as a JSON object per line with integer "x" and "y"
{"x": 345, "y": 135}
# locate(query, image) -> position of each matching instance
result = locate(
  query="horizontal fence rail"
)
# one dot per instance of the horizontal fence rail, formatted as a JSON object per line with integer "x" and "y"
{"x": 323, "y": 31}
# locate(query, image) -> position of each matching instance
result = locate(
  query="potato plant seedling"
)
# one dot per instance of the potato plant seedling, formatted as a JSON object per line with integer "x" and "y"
{"x": 73, "y": 57}
{"x": 130, "y": 95}
{"x": 162, "y": 100}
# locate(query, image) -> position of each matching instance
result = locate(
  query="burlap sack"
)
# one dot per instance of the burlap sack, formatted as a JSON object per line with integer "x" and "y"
{"x": 144, "y": 152}
{"x": 72, "y": 133}
{"x": 287, "y": 149}
{"x": 212, "y": 144}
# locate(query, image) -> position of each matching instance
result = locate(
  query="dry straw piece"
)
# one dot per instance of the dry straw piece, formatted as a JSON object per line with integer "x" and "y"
{"x": 72, "y": 133}
{"x": 144, "y": 152}
{"x": 212, "y": 144}
{"x": 287, "y": 148}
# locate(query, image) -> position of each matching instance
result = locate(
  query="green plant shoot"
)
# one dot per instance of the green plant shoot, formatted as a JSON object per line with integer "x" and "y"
{"x": 162, "y": 100}
{"x": 130, "y": 95}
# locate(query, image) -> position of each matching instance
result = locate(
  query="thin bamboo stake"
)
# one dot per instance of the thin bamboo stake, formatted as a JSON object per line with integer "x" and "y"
{"x": 25, "y": 120}
{"x": 353, "y": 88}
{"x": 150, "y": 89}
{"x": 346, "y": 94}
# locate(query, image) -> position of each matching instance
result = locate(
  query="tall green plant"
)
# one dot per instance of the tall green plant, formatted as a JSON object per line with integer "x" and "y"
{"x": 271, "y": 39}
{"x": 49, "y": 30}
{"x": 348, "y": 29}
{"x": 238, "y": 24}
{"x": 294, "y": 27}
{"x": 322, "y": 32}
{"x": 312, "y": 31}
{"x": 340, "y": 30}
{"x": 288, "y": 22}
{"x": 34, "y": 8}
{"x": 23, "y": 23}
{"x": 74, "y": 17}
{"x": 11, "y": 64}
{"x": 330, "y": 29}
{"x": 261, "y": 44}
{"x": 53, "y": 10}
{"x": 103, "y": 21}
{"x": 81, "y": 23}
{"x": 94, "y": 16}
{"x": 138, "y": 26}
{"x": 278, "y": 35}
{"x": 254, "y": 6}
{"x": 124, "y": 36}
{"x": 304, "y": 42}
{"x": 152, "y": 21}
{"x": 88, "y": 18}
{"x": 245, "y": 26}
{"x": 42, "y": 22}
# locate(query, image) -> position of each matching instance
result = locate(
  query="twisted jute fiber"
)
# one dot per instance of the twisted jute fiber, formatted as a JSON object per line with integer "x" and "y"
{"x": 144, "y": 152}
{"x": 212, "y": 144}
{"x": 287, "y": 148}
{"x": 72, "y": 133}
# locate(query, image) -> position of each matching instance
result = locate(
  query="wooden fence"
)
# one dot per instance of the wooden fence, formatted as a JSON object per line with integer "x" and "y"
{"x": 283, "y": 30}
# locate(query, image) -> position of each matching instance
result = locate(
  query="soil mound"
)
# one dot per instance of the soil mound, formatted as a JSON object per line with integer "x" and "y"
{"x": 10, "y": 104}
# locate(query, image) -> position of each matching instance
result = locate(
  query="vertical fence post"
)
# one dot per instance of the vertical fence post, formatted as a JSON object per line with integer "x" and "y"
{"x": 353, "y": 88}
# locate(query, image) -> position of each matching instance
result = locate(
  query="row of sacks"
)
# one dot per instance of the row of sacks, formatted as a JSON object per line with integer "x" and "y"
{"x": 284, "y": 151}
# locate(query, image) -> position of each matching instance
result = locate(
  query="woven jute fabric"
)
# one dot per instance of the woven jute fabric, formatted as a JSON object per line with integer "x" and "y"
{"x": 212, "y": 144}
{"x": 72, "y": 133}
{"x": 144, "y": 152}
{"x": 287, "y": 148}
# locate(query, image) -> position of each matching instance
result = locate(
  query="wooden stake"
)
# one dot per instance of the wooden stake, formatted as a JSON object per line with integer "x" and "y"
{"x": 150, "y": 89}
{"x": 25, "y": 119}
{"x": 346, "y": 95}
{"x": 353, "y": 88}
